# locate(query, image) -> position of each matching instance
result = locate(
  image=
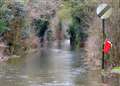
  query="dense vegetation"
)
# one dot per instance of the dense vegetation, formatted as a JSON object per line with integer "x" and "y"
{"x": 41, "y": 27}
{"x": 76, "y": 14}
{"x": 12, "y": 22}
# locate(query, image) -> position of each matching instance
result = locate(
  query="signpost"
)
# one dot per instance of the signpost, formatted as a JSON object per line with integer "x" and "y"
{"x": 103, "y": 11}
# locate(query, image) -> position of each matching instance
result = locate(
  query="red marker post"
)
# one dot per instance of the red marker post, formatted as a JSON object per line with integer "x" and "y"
{"x": 107, "y": 46}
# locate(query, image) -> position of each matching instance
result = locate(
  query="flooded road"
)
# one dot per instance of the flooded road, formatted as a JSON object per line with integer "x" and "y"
{"x": 53, "y": 66}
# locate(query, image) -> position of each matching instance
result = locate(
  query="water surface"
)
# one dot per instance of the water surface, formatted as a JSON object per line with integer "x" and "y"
{"x": 53, "y": 66}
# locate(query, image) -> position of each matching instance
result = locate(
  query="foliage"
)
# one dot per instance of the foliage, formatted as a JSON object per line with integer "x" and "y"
{"x": 14, "y": 17}
{"x": 41, "y": 26}
{"x": 116, "y": 70}
{"x": 76, "y": 13}
{"x": 3, "y": 23}
{"x": 65, "y": 11}
{"x": 3, "y": 26}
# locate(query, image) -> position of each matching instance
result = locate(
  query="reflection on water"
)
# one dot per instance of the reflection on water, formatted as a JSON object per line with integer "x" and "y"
{"x": 55, "y": 66}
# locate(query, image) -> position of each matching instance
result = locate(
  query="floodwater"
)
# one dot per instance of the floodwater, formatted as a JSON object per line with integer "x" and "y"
{"x": 55, "y": 65}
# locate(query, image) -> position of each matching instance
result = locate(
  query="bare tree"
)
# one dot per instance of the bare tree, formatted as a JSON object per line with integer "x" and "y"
{"x": 42, "y": 8}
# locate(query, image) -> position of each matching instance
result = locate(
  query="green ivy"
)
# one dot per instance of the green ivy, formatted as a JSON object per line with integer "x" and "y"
{"x": 3, "y": 26}
{"x": 41, "y": 26}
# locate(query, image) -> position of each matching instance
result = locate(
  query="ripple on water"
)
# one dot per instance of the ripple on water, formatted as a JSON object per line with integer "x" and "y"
{"x": 53, "y": 84}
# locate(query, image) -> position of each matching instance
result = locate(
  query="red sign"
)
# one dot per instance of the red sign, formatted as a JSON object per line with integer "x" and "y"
{"x": 107, "y": 46}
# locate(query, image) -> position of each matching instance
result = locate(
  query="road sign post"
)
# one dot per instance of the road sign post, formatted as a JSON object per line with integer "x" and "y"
{"x": 103, "y": 11}
{"x": 104, "y": 36}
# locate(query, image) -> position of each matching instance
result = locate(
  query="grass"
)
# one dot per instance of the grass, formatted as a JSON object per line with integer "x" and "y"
{"x": 116, "y": 70}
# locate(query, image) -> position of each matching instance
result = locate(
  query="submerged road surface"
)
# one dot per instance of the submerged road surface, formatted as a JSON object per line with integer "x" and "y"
{"x": 53, "y": 66}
